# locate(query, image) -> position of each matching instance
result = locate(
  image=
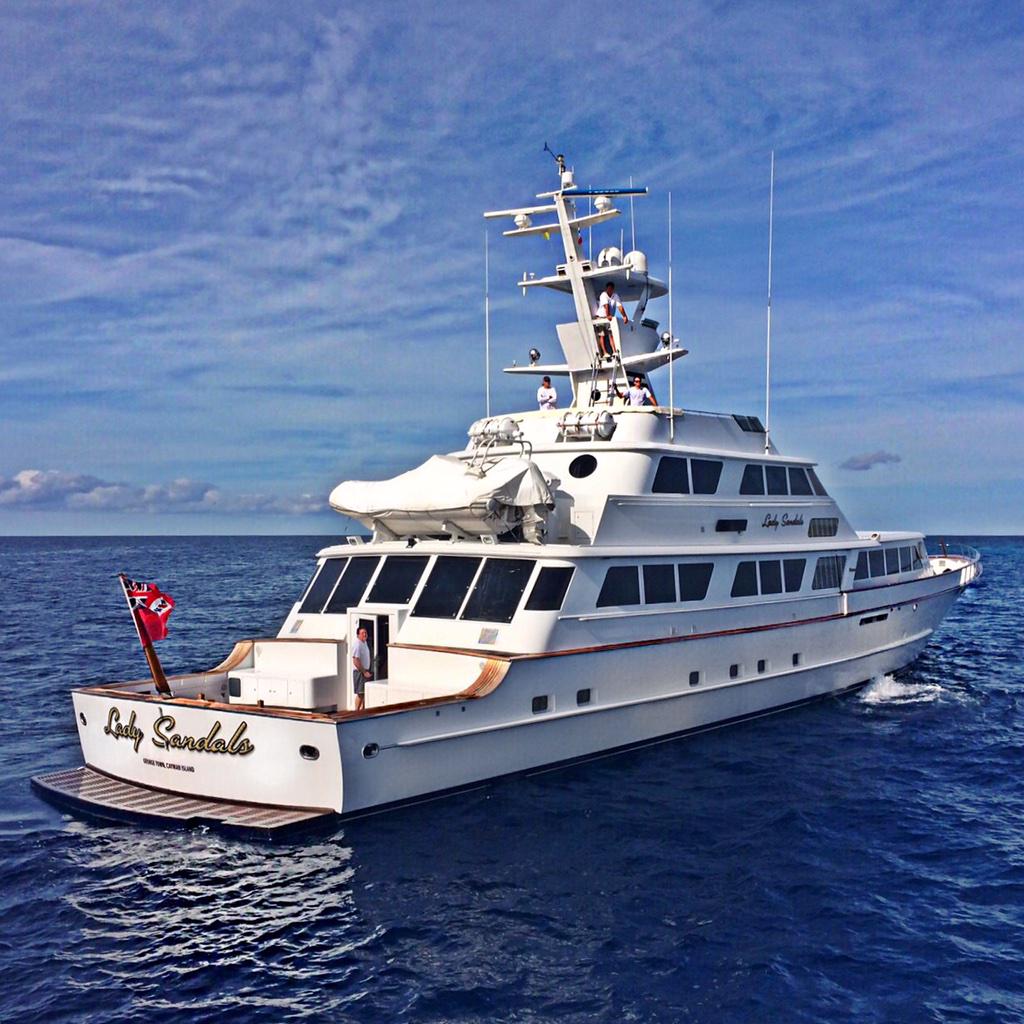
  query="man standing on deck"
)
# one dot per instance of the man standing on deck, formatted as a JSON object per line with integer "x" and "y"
{"x": 360, "y": 665}
{"x": 547, "y": 396}
{"x": 639, "y": 394}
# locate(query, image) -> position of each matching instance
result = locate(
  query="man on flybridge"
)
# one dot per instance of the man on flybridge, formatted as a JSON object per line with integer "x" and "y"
{"x": 608, "y": 301}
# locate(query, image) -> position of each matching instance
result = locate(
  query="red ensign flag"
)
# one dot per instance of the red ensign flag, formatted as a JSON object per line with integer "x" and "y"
{"x": 151, "y": 607}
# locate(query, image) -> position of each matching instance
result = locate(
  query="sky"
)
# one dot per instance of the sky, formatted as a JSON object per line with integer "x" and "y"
{"x": 241, "y": 244}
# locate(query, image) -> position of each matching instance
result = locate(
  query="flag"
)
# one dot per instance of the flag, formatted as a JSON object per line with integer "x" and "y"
{"x": 150, "y": 606}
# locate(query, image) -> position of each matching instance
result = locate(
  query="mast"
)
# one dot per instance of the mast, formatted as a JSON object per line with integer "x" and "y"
{"x": 768, "y": 332}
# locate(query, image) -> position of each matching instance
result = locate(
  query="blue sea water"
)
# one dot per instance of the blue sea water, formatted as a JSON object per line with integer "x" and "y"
{"x": 860, "y": 859}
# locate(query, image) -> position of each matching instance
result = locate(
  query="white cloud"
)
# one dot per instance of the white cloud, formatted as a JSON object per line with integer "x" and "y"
{"x": 864, "y": 462}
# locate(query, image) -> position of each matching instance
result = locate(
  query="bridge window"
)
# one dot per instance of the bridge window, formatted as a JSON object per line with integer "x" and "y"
{"x": 322, "y": 585}
{"x": 745, "y": 582}
{"x": 798, "y": 482}
{"x": 621, "y": 587}
{"x": 816, "y": 484}
{"x": 671, "y": 476}
{"x": 396, "y": 582}
{"x": 776, "y": 477}
{"x": 706, "y": 473}
{"x": 659, "y": 583}
{"x": 877, "y": 560}
{"x": 753, "y": 480}
{"x": 694, "y": 578}
{"x": 892, "y": 561}
{"x": 446, "y": 587}
{"x": 349, "y": 590}
{"x": 771, "y": 577}
{"x": 549, "y": 591}
{"x": 862, "y": 566}
{"x": 793, "y": 569}
{"x": 497, "y": 591}
{"x": 906, "y": 559}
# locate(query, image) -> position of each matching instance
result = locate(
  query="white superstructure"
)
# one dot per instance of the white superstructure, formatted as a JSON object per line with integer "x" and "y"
{"x": 574, "y": 581}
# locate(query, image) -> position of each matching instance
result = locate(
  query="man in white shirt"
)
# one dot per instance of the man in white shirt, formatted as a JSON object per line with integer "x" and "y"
{"x": 360, "y": 666}
{"x": 639, "y": 395}
{"x": 607, "y": 303}
{"x": 547, "y": 396}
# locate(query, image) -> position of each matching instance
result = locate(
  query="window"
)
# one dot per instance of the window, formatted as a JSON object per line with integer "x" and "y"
{"x": 762, "y": 666}
{"x": 349, "y": 591}
{"x": 694, "y": 578}
{"x": 906, "y": 559}
{"x": 753, "y": 480}
{"x": 798, "y": 482}
{"x": 776, "y": 477}
{"x": 659, "y": 584}
{"x": 621, "y": 586}
{"x": 797, "y": 658}
{"x": 671, "y": 476}
{"x": 877, "y": 560}
{"x": 549, "y": 591}
{"x": 823, "y": 528}
{"x": 734, "y": 671}
{"x": 828, "y": 573}
{"x": 496, "y": 593}
{"x": 771, "y": 577}
{"x": 583, "y": 696}
{"x": 745, "y": 582}
{"x": 706, "y": 475}
{"x": 751, "y": 424}
{"x": 862, "y": 566}
{"x": 892, "y": 561}
{"x": 874, "y": 618}
{"x": 582, "y": 465}
{"x": 695, "y": 679}
{"x": 539, "y": 704}
{"x": 793, "y": 570}
{"x": 397, "y": 579}
{"x": 322, "y": 585}
{"x": 730, "y": 525}
{"x": 918, "y": 553}
{"x": 816, "y": 484}
{"x": 446, "y": 587}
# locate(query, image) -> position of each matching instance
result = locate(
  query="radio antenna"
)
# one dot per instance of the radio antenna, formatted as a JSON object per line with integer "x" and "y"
{"x": 559, "y": 158}
{"x": 671, "y": 336}
{"x": 768, "y": 331}
{"x": 632, "y": 222}
{"x": 487, "y": 323}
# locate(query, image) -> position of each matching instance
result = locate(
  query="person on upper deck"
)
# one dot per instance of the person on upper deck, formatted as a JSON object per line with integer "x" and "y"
{"x": 607, "y": 303}
{"x": 639, "y": 394}
{"x": 547, "y": 396}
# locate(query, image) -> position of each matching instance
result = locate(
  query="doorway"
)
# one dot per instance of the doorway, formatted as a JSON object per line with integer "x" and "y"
{"x": 378, "y": 630}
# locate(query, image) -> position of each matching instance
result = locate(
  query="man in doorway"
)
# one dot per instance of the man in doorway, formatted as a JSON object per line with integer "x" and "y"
{"x": 547, "y": 396}
{"x": 360, "y": 665}
{"x": 607, "y": 303}
{"x": 639, "y": 394}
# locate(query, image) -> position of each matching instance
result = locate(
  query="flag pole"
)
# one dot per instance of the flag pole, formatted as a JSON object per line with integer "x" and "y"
{"x": 162, "y": 686}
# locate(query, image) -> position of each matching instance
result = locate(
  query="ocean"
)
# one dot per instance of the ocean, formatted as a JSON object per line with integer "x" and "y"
{"x": 858, "y": 859}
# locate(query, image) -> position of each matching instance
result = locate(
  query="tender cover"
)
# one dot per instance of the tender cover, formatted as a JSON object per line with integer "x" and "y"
{"x": 447, "y": 491}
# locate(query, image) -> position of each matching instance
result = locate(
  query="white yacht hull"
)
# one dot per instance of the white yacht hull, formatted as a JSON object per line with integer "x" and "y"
{"x": 639, "y": 693}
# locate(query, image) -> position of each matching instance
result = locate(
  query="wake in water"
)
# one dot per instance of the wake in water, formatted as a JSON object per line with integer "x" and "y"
{"x": 888, "y": 690}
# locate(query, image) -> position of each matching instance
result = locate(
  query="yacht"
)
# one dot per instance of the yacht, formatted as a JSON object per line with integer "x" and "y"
{"x": 575, "y": 581}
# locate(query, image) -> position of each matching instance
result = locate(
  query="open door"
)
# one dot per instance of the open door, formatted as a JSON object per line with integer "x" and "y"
{"x": 378, "y": 629}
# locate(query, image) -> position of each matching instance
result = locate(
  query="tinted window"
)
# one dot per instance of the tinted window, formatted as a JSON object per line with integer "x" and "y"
{"x": 549, "y": 591}
{"x": 793, "y": 570}
{"x": 823, "y": 527}
{"x": 771, "y": 577}
{"x": 862, "y": 566}
{"x": 828, "y": 573}
{"x": 693, "y": 580}
{"x": 582, "y": 465}
{"x": 397, "y": 579}
{"x": 917, "y": 558}
{"x": 798, "y": 482}
{"x": 905, "y": 559}
{"x": 446, "y": 587}
{"x": 706, "y": 475}
{"x": 745, "y": 583}
{"x": 621, "y": 586}
{"x": 323, "y": 584}
{"x": 350, "y": 588}
{"x": 776, "y": 479}
{"x": 671, "y": 476}
{"x": 892, "y": 560}
{"x": 730, "y": 525}
{"x": 498, "y": 589}
{"x": 877, "y": 559}
{"x": 816, "y": 484}
{"x": 659, "y": 584}
{"x": 753, "y": 480}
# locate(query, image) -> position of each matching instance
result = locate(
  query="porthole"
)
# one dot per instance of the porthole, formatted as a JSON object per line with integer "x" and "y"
{"x": 762, "y": 666}
{"x": 371, "y": 750}
{"x": 583, "y": 696}
{"x": 582, "y": 465}
{"x": 734, "y": 671}
{"x": 695, "y": 678}
{"x": 308, "y": 753}
{"x": 81, "y": 718}
{"x": 539, "y": 704}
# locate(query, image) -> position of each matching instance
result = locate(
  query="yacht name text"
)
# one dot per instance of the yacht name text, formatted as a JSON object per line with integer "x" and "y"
{"x": 772, "y": 521}
{"x": 166, "y": 738}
